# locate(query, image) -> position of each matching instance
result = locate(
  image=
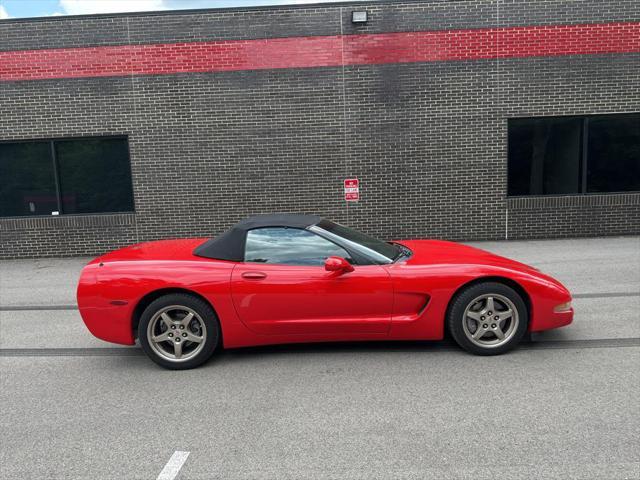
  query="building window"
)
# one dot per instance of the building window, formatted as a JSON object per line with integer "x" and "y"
{"x": 574, "y": 155}
{"x": 67, "y": 176}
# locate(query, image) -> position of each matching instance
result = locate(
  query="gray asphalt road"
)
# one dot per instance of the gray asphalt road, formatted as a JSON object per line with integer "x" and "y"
{"x": 564, "y": 407}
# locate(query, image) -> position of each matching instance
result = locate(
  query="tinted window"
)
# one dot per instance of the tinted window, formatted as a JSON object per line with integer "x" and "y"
{"x": 613, "y": 161}
{"x": 94, "y": 175}
{"x": 544, "y": 156}
{"x": 88, "y": 175}
{"x": 27, "y": 179}
{"x": 289, "y": 246}
{"x": 565, "y": 155}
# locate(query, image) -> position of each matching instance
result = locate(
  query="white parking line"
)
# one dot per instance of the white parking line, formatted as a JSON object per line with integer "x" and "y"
{"x": 173, "y": 466}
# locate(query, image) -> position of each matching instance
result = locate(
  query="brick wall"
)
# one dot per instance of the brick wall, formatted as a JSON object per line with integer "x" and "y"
{"x": 425, "y": 135}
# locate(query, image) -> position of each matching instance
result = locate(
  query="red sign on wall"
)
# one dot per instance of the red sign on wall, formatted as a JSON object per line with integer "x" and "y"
{"x": 351, "y": 190}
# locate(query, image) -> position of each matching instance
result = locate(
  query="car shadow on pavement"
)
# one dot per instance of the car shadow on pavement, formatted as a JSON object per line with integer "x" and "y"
{"x": 364, "y": 347}
{"x": 337, "y": 347}
{"x": 249, "y": 354}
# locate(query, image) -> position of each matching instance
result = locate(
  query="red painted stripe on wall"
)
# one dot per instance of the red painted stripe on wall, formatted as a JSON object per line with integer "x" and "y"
{"x": 308, "y": 52}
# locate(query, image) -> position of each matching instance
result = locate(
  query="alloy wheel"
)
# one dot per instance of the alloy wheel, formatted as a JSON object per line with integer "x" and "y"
{"x": 490, "y": 320}
{"x": 177, "y": 333}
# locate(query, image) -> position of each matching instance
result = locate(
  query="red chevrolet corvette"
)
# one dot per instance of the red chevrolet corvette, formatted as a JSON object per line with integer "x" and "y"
{"x": 301, "y": 278}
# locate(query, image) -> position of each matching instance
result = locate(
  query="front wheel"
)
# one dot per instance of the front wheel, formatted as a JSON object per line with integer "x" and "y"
{"x": 488, "y": 318}
{"x": 178, "y": 331}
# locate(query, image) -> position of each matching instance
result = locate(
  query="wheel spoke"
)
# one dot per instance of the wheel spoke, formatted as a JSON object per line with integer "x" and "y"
{"x": 489, "y": 306}
{"x": 177, "y": 350}
{"x": 193, "y": 338}
{"x": 474, "y": 315}
{"x": 163, "y": 337}
{"x": 499, "y": 333}
{"x": 502, "y": 316}
{"x": 166, "y": 319}
{"x": 185, "y": 321}
{"x": 479, "y": 333}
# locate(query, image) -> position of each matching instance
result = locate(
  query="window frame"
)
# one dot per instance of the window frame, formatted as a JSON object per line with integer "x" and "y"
{"x": 244, "y": 253}
{"x": 361, "y": 254}
{"x": 584, "y": 155}
{"x": 53, "y": 158}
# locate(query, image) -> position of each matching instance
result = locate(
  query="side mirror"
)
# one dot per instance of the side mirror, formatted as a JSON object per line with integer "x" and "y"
{"x": 337, "y": 264}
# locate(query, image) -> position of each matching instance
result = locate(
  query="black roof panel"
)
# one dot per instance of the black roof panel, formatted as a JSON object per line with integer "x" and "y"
{"x": 230, "y": 245}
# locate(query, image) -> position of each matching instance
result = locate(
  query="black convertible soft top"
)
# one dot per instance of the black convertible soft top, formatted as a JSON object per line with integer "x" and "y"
{"x": 230, "y": 245}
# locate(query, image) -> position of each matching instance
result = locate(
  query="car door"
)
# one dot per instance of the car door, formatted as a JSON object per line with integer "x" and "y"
{"x": 283, "y": 288}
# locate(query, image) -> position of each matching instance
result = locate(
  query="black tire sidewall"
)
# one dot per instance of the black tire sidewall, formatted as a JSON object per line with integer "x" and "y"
{"x": 455, "y": 316}
{"x": 208, "y": 317}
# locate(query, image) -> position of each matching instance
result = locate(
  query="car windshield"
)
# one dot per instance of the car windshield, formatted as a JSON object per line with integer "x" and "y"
{"x": 388, "y": 250}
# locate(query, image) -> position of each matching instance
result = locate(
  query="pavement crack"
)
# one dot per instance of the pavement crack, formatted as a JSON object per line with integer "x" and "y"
{"x": 22, "y": 308}
{"x": 606, "y": 295}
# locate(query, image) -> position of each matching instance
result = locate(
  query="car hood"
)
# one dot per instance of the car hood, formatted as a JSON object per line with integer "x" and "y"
{"x": 179, "y": 249}
{"x": 433, "y": 252}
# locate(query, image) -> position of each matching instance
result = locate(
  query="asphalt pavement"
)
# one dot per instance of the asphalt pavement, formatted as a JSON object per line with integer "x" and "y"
{"x": 564, "y": 406}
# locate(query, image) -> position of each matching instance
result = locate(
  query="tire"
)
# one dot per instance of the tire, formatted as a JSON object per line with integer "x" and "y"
{"x": 179, "y": 331}
{"x": 479, "y": 316}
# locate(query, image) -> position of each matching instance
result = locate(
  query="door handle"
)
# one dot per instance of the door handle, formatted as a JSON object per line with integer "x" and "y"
{"x": 254, "y": 275}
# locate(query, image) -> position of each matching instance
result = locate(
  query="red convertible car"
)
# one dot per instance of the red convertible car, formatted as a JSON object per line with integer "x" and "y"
{"x": 301, "y": 278}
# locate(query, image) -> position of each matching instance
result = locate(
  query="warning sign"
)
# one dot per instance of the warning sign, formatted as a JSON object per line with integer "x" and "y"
{"x": 351, "y": 190}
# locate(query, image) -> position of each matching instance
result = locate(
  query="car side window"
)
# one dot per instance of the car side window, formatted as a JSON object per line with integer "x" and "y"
{"x": 289, "y": 246}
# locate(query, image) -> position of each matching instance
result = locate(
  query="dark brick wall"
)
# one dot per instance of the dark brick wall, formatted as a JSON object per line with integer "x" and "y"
{"x": 427, "y": 140}
{"x": 65, "y": 235}
{"x": 174, "y": 28}
{"x": 573, "y": 216}
{"x": 445, "y": 15}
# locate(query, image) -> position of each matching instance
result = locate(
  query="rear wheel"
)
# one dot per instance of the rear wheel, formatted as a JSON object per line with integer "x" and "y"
{"x": 178, "y": 331}
{"x": 488, "y": 318}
